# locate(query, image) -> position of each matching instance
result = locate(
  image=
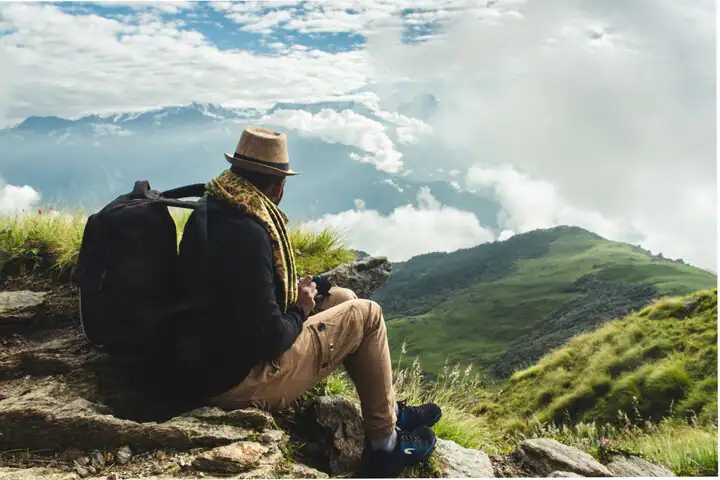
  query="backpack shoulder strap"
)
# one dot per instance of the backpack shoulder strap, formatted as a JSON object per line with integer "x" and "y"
{"x": 194, "y": 190}
{"x": 201, "y": 212}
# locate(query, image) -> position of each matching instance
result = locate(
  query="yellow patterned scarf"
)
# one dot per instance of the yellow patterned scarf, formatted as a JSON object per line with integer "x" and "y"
{"x": 240, "y": 193}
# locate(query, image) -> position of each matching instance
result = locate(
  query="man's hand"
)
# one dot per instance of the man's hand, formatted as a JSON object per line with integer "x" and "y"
{"x": 307, "y": 290}
{"x": 323, "y": 284}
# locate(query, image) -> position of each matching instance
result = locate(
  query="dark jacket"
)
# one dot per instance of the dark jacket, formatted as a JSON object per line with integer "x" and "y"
{"x": 241, "y": 324}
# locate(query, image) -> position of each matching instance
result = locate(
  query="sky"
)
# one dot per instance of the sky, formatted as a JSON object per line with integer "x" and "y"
{"x": 596, "y": 114}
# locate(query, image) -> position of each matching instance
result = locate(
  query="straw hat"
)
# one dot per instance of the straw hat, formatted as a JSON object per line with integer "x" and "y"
{"x": 263, "y": 151}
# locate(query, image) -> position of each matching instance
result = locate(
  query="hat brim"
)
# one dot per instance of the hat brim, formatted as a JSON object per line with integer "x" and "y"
{"x": 257, "y": 167}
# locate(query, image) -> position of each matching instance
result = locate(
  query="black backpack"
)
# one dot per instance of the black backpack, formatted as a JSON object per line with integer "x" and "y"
{"x": 127, "y": 270}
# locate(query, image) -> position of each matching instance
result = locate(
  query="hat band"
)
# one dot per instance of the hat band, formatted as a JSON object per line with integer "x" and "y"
{"x": 281, "y": 166}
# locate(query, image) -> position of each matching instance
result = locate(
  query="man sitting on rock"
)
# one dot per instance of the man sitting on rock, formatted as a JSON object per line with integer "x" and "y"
{"x": 262, "y": 347}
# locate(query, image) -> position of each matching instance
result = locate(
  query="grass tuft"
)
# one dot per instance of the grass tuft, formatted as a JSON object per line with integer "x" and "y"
{"x": 51, "y": 240}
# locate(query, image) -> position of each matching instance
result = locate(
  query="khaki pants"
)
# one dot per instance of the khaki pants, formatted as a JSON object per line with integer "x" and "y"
{"x": 345, "y": 330}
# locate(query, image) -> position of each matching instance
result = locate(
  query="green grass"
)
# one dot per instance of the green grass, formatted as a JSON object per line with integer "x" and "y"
{"x": 688, "y": 448}
{"x": 27, "y": 239}
{"x": 478, "y": 320}
{"x": 51, "y": 240}
{"x": 685, "y": 449}
{"x": 657, "y": 363}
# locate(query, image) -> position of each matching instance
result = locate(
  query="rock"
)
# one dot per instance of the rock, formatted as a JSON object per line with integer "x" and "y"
{"x": 269, "y": 466}
{"x": 46, "y": 419}
{"x": 461, "y": 462}
{"x": 543, "y": 456}
{"x": 336, "y": 429}
{"x": 84, "y": 471}
{"x": 564, "y": 474}
{"x": 249, "y": 418}
{"x": 362, "y": 276}
{"x": 123, "y": 455}
{"x": 273, "y": 436}
{"x": 231, "y": 459}
{"x": 34, "y": 473}
{"x": 632, "y": 466}
{"x": 20, "y": 308}
{"x": 97, "y": 460}
{"x": 298, "y": 470}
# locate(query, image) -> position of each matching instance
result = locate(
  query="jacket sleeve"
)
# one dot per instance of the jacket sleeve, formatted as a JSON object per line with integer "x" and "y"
{"x": 246, "y": 257}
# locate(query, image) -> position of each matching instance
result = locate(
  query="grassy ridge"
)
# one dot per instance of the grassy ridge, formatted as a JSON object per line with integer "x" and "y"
{"x": 51, "y": 240}
{"x": 478, "y": 323}
{"x": 657, "y": 363}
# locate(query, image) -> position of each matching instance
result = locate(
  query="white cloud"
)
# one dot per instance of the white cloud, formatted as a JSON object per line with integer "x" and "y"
{"x": 163, "y": 6}
{"x": 261, "y": 23}
{"x": 359, "y": 203}
{"x": 14, "y": 199}
{"x": 529, "y": 203}
{"x": 56, "y": 63}
{"x": 597, "y": 99}
{"x": 392, "y": 183}
{"x": 346, "y": 127}
{"x": 409, "y": 230}
{"x": 103, "y": 130}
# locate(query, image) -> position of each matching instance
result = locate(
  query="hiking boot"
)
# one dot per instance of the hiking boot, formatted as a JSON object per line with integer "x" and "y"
{"x": 411, "y": 449}
{"x": 409, "y": 418}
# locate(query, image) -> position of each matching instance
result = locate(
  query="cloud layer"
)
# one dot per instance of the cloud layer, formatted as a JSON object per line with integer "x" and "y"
{"x": 15, "y": 199}
{"x": 610, "y": 106}
{"x": 409, "y": 230}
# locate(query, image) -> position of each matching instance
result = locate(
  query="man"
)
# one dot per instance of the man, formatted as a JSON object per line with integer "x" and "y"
{"x": 260, "y": 346}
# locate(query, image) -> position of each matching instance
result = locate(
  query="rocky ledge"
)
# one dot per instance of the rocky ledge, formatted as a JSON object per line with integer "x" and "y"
{"x": 67, "y": 412}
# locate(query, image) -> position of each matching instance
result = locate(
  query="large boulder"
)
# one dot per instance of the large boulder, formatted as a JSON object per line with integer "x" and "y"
{"x": 460, "y": 462}
{"x": 362, "y": 276}
{"x": 333, "y": 431}
{"x": 20, "y": 309}
{"x": 633, "y": 466}
{"x": 543, "y": 456}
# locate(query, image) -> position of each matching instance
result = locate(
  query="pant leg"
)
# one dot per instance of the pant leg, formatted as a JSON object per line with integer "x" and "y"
{"x": 352, "y": 331}
{"x": 337, "y": 296}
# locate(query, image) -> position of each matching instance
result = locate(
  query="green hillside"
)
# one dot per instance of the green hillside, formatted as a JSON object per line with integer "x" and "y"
{"x": 657, "y": 363}
{"x": 501, "y": 306}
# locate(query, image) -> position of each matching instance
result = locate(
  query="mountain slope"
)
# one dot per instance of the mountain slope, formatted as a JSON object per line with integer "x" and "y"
{"x": 659, "y": 362}
{"x": 501, "y": 306}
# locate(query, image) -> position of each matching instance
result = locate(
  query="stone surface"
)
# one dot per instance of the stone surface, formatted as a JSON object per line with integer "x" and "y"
{"x": 543, "y": 456}
{"x": 460, "y": 462}
{"x": 123, "y": 455}
{"x": 632, "y": 466}
{"x": 273, "y": 436}
{"x": 564, "y": 475}
{"x": 20, "y": 303}
{"x": 337, "y": 429}
{"x": 361, "y": 276}
{"x": 298, "y": 470}
{"x": 46, "y": 419}
{"x": 20, "y": 308}
{"x": 234, "y": 458}
{"x": 248, "y": 418}
{"x": 35, "y": 473}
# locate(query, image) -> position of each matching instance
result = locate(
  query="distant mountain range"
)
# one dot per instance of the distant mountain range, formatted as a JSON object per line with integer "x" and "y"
{"x": 90, "y": 160}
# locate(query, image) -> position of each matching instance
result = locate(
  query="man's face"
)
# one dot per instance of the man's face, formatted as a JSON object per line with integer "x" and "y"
{"x": 276, "y": 192}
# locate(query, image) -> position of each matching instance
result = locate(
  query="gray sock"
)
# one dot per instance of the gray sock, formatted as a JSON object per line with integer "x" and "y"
{"x": 386, "y": 443}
